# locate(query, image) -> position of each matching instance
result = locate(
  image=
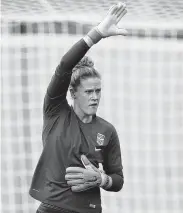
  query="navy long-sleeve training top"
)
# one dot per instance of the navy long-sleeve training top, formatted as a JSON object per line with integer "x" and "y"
{"x": 65, "y": 138}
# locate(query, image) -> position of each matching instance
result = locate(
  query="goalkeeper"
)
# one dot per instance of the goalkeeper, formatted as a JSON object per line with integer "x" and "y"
{"x": 81, "y": 151}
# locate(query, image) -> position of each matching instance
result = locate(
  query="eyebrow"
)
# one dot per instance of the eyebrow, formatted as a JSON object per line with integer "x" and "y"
{"x": 89, "y": 89}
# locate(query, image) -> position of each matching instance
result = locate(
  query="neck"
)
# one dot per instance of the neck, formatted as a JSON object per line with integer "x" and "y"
{"x": 82, "y": 116}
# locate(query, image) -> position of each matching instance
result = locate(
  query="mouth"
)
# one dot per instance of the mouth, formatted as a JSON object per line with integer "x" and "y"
{"x": 93, "y": 105}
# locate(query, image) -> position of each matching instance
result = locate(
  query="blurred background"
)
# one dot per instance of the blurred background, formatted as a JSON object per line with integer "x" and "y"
{"x": 142, "y": 95}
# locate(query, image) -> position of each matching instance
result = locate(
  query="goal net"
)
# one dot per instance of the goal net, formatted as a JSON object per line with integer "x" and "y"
{"x": 142, "y": 95}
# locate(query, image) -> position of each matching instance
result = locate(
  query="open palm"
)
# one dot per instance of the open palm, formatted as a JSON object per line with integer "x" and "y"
{"x": 108, "y": 27}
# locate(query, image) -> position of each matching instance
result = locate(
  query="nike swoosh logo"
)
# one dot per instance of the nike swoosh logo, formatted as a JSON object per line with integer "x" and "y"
{"x": 97, "y": 149}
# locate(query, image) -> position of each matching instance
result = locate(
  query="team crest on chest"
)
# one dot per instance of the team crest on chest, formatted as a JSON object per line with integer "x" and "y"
{"x": 100, "y": 139}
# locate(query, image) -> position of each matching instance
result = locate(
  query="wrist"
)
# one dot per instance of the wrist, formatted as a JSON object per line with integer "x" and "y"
{"x": 95, "y": 35}
{"x": 88, "y": 41}
{"x": 106, "y": 181}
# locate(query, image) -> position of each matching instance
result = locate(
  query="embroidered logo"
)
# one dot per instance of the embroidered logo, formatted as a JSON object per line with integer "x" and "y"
{"x": 92, "y": 206}
{"x": 100, "y": 139}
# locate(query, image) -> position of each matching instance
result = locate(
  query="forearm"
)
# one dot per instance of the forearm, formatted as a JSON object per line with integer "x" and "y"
{"x": 73, "y": 56}
{"x": 77, "y": 52}
{"x": 60, "y": 81}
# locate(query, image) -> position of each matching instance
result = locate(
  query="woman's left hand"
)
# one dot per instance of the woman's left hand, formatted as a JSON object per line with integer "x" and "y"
{"x": 108, "y": 27}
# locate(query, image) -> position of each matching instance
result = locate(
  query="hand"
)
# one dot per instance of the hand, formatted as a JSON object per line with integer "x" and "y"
{"x": 108, "y": 27}
{"x": 82, "y": 179}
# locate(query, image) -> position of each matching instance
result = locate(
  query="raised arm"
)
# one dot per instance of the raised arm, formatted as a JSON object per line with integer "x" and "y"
{"x": 58, "y": 87}
{"x": 60, "y": 81}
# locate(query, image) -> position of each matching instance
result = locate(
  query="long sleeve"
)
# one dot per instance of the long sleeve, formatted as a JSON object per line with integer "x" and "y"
{"x": 113, "y": 163}
{"x": 117, "y": 182}
{"x": 55, "y": 97}
{"x": 61, "y": 79}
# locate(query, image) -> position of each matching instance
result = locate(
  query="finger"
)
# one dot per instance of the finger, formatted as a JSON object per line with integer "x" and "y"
{"x": 120, "y": 11}
{"x": 87, "y": 164}
{"x": 78, "y": 188}
{"x": 75, "y": 182}
{"x": 121, "y": 15}
{"x": 85, "y": 160}
{"x": 74, "y": 170}
{"x": 121, "y": 7}
{"x": 72, "y": 176}
{"x": 122, "y": 32}
{"x": 82, "y": 187}
{"x": 113, "y": 9}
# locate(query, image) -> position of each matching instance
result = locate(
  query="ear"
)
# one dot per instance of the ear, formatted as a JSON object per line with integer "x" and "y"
{"x": 72, "y": 92}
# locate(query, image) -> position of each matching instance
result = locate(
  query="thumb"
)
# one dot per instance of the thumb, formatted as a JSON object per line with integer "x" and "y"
{"x": 86, "y": 163}
{"x": 121, "y": 31}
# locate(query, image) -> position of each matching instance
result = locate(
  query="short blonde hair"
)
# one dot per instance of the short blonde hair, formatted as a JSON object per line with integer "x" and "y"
{"x": 83, "y": 70}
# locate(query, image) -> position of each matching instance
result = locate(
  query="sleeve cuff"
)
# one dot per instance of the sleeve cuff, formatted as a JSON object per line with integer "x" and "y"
{"x": 94, "y": 35}
{"x": 117, "y": 183}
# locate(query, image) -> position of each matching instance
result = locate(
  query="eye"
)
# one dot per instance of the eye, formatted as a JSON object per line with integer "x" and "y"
{"x": 88, "y": 91}
{"x": 98, "y": 90}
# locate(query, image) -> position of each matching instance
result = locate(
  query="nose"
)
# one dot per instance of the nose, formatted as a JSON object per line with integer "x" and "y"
{"x": 94, "y": 96}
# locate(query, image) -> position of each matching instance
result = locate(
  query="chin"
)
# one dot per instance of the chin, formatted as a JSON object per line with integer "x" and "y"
{"x": 92, "y": 112}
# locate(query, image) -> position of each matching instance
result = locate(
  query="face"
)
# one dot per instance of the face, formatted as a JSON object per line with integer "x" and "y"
{"x": 87, "y": 96}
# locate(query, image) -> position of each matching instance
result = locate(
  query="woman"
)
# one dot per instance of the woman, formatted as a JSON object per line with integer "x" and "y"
{"x": 76, "y": 141}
